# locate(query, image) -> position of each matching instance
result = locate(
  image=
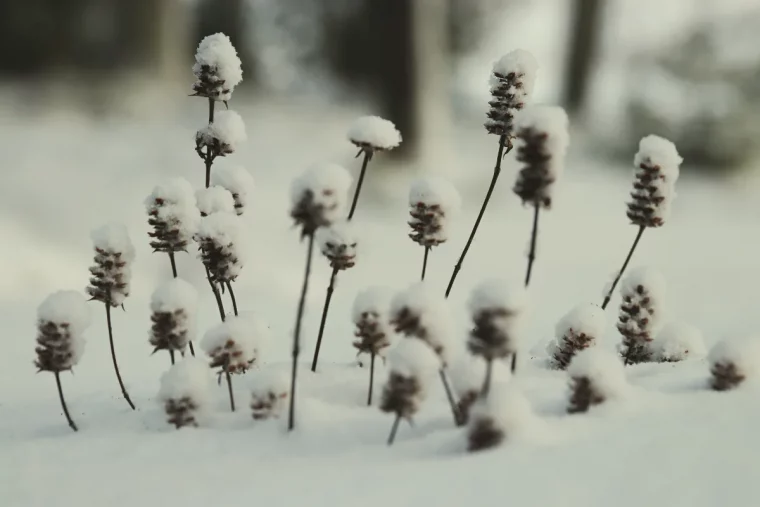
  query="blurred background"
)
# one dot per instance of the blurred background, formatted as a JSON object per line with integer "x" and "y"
{"x": 95, "y": 110}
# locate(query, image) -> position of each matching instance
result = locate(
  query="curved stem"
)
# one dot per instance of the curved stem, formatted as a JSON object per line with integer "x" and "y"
{"x": 371, "y": 379}
{"x": 218, "y": 296}
{"x": 450, "y": 397}
{"x": 394, "y": 429}
{"x": 113, "y": 357}
{"x": 625, "y": 265}
{"x": 232, "y": 296}
{"x": 325, "y": 310}
{"x": 424, "y": 262}
{"x": 533, "y": 239}
{"x": 72, "y": 425}
{"x": 358, "y": 190}
{"x": 496, "y": 172}
{"x": 297, "y": 334}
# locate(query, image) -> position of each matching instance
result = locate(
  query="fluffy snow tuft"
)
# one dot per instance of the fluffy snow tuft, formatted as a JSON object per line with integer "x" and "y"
{"x": 223, "y": 228}
{"x": 175, "y": 294}
{"x": 678, "y": 342}
{"x": 374, "y": 133}
{"x": 493, "y": 294}
{"x": 328, "y": 183}
{"x": 191, "y": 377}
{"x": 743, "y": 352}
{"x": 375, "y": 300}
{"x": 467, "y": 373}
{"x": 586, "y": 318}
{"x": 656, "y": 151}
{"x": 243, "y": 330}
{"x": 520, "y": 62}
{"x": 341, "y": 232}
{"x": 603, "y": 368}
{"x": 69, "y": 307}
{"x": 650, "y": 279}
{"x": 435, "y": 191}
{"x": 434, "y": 315}
{"x": 215, "y": 199}
{"x": 217, "y": 52}
{"x": 413, "y": 358}
{"x": 263, "y": 382}
{"x": 506, "y": 406}
{"x": 174, "y": 192}
{"x": 228, "y": 128}
{"x": 553, "y": 121}
{"x": 114, "y": 238}
{"x": 178, "y": 207}
{"x": 237, "y": 181}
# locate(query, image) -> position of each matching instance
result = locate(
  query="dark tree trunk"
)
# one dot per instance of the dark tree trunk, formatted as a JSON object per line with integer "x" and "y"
{"x": 585, "y": 29}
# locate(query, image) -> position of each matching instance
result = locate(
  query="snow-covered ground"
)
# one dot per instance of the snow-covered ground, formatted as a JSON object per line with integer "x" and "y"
{"x": 669, "y": 442}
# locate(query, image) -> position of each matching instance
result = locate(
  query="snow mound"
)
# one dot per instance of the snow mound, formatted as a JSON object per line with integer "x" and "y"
{"x": 114, "y": 238}
{"x": 603, "y": 368}
{"x": 217, "y": 52}
{"x": 374, "y": 133}
{"x": 744, "y": 353}
{"x": 679, "y": 342}
{"x": 467, "y": 373}
{"x": 506, "y": 406}
{"x": 237, "y": 181}
{"x": 522, "y": 63}
{"x": 373, "y": 300}
{"x": 190, "y": 377}
{"x": 412, "y": 358}
{"x": 215, "y": 199}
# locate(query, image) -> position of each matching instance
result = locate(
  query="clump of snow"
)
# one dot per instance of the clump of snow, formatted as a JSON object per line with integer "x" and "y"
{"x": 215, "y": 199}
{"x": 467, "y": 373}
{"x": 374, "y": 300}
{"x": 114, "y": 238}
{"x": 641, "y": 313}
{"x": 433, "y": 202}
{"x": 646, "y": 283}
{"x": 413, "y": 359}
{"x": 185, "y": 392}
{"x": 496, "y": 308}
{"x": 657, "y": 166}
{"x": 175, "y": 294}
{"x": 217, "y": 67}
{"x": 173, "y": 213}
{"x": 511, "y": 83}
{"x": 373, "y": 133}
{"x": 174, "y": 305}
{"x": 603, "y": 369}
{"x": 319, "y": 195}
{"x": 679, "y": 342}
{"x": 233, "y": 345}
{"x": 269, "y": 391}
{"x": 112, "y": 272}
{"x": 337, "y": 242}
{"x": 523, "y": 64}
{"x": 576, "y": 331}
{"x": 62, "y": 319}
{"x": 504, "y": 412}
{"x": 434, "y": 191}
{"x": 237, "y": 181}
{"x": 423, "y": 313}
{"x": 224, "y": 135}
{"x": 659, "y": 151}
{"x": 741, "y": 357}
{"x": 494, "y": 293}
{"x": 66, "y": 307}
{"x": 370, "y": 314}
{"x": 223, "y": 245}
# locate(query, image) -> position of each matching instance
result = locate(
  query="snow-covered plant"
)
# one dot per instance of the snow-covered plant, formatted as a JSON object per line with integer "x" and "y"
{"x": 411, "y": 363}
{"x": 62, "y": 319}
{"x": 657, "y": 165}
{"x": 596, "y": 376}
{"x": 576, "y": 331}
{"x": 495, "y": 309}
{"x": 432, "y": 203}
{"x": 185, "y": 393}
{"x": 370, "y": 134}
{"x": 495, "y": 417}
{"x": 217, "y": 68}
{"x": 110, "y": 278}
{"x": 641, "y": 312}
{"x": 373, "y": 330}
{"x": 215, "y": 199}
{"x": 220, "y": 138}
{"x": 733, "y": 362}
{"x": 338, "y": 244}
{"x": 678, "y": 342}
{"x": 269, "y": 390}
{"x": 174, "y": 305}
{"x": 237, "y": 181}
{"x": 173, "y": 215}
{"x": 467, "y": 374}
{"x": 542, "y": 142}
{"x": 233, "y": 347}
{"x": 511, "y": 84}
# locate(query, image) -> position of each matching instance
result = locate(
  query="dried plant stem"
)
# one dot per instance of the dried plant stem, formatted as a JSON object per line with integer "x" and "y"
{"x": 232, "y": 297}
{"x": 394, "y": 430}
{"x": 228, "y": 377}
{"x": 208, "y": 152}
{"x": 371, "y": 379}
{"x": 487, "y": 380}
{"x": 72, "y": 425}
{"x": 171, "y": 355}
{"x": 297, "y": 334}
{"x": 450, "y": 396}
{"x": 174, "y": 264}
{"x": 217, "y": 295}
{"x": 358, "y": 190}
{"x": 496, "y": 172}
{"x": 625, "y": 265}
{"x": 113, "y": 357}
{"x": 325, "y": 310}
{"x": 533, "y": 239}
{"x": 424, "y": 263}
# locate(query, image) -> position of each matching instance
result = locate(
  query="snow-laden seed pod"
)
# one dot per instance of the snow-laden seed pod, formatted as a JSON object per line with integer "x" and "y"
{"x": 173, "y": 215}
{"x": 433, "y": 202}
{"x": 372, "y": 133}
{"x": 576, "y": 331}
{"x": 494, "y": 417}
{"x": 222, "y": 246}
{"x": 214, "y": 199}
{"x": 657, "y": 166}
{"x": 467, "y": 373}
{"x": 732, "y": 362}
{"x": 678, "y": 342}
{"x": 318, "y": 197}
{"x": 112, "y": 272}
{"x": 222, "y": 137}
{"x": 370, "y": 314}
{"x": 596, "y": 376}
{"x": 338, "y": 243}
{"x": 495, "y": 309}
{"x": 62, "y": 319}
{"x": 173, "y": 306}
{"x": 269, "y": 392}
{"x": 217, "y": 68}
{"x": 185, "y": 393}
{"x": 542, "y": 143}
{"x": 641, "y": 313}
{"x": 234, "y": 345}
{"x": 237, "y": 181}
{"x": 512, "y": 82}
{"x": 419, "y": 312}
{"x": 411, "y": 364}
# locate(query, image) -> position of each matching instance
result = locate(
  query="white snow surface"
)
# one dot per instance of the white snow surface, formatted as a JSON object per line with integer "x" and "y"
{"x": 114, "y": 237}
{"x": 217, "y": 52}
{"x": 329, "y": 183}
{"x": 375, "y": 299}
{"x": 553, "y": 121}
{"x": 587, "y": 318}
{"x": 237, "y": 180}
{"x": 341, "y": 232}
{"x": 678, "y": 342}
{"x": 190, "y": 377}
{"x": 744, "y": 353}
{"x": 228, "y": 128}
{"x": 604, "y": 368}
{"x": 411, "y": 357}
{"x": 179, "y": 206}
{"x": 215, "y": 199}
{"x": 522, "y": 63}
{"x": 507, "y": 406}
{"x": 656, "y": 150}
{"x": 375, "y": 132}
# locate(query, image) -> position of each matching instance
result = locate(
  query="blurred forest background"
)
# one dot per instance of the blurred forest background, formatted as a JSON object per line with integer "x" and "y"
{"x": 685, "y": 69}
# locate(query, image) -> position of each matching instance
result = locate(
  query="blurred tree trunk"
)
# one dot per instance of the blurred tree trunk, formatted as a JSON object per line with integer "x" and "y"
{"x": 585, "y": 30}
{"x": 231, "y": 18}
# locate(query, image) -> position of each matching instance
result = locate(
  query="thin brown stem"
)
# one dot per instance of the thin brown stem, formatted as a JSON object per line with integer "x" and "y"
{"x": 325, "y": 310}
{"x": 496, "y": 172}
{"x": 533, "y": 239}
{"x": 371, "y": 379}
{"x": 174, "y": 264}
{"x": 113, "y": 357}
{"x": 229, "y": 388}
{"x": 72, "y": 425}
{"x": 487, "y": 380}
{"x": 424, "y": 263}
{"x": 625, "y": 265}
{"x": 208, "y": 159}
{"x": 450, "y": 396}
{"x": 297, "y": 334}
{"x": 394, "y": 429}
{"x": 171, "y": 355}
{"x": 367, "y": 156}
{"x": 232, "y": 297}
{"x": 217, "y": 296}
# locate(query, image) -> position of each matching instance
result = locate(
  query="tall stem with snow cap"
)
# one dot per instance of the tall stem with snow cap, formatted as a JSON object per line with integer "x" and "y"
{"x": 297, "y": 334}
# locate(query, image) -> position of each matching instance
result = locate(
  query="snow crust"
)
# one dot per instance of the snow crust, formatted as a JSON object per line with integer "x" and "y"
{"x": 522, "y": 63}
{"x": 215, "y": 199}
{"x": 179, "y": 207}
{"x": 190, "y": 377}
{"x": 217, "y": 52}
{"x": 114, "y": 238}
{"x": 743, "y": 352}
{"x": 228, "y": 128}
{"x": 237, "y": 180}
{"x": 586, "y": 318}
{"x": 328, "y": 183}
{"x": 679, "y": 342}
{"x": 506, "y": 406}
{"x": 373, "y": 300}
{"x": 434, "y": 315}
{"x": 374, "y": 132}
{"x": 604, "y": 368}
{"x": 413, "y": 358}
